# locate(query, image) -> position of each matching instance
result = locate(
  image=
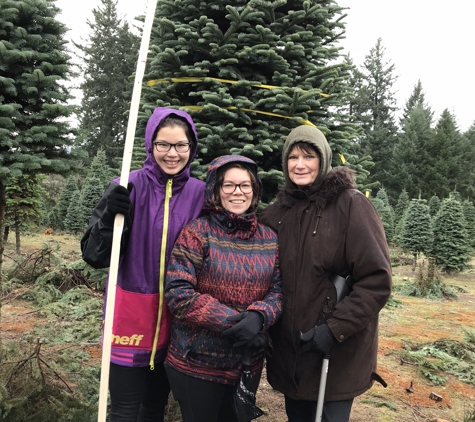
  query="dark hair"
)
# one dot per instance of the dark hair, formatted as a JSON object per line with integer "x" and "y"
{"x": 220, "y": 178}
{"x": 305, "y": 147}
{"x": 173, "y": 120}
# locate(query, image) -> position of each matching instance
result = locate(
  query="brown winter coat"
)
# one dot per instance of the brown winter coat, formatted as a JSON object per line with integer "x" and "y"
{"x": 329, "y": 227}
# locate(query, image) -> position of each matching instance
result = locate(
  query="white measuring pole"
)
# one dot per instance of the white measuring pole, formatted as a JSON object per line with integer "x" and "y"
{"x": 119, "y": 218}
{"x": 321, "y": 389}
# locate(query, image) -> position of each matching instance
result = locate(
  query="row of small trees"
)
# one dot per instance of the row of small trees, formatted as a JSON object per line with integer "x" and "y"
{"x": 79, "y": 197}
{"x": 443, "y": 229}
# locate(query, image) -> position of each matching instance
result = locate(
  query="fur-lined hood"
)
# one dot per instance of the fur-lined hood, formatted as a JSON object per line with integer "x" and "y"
{"x": 335, "y": 182}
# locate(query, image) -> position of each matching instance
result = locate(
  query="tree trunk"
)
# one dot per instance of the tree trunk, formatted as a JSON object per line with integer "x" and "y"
{"x": 17, "y": 234}
{"x": 6, "y": 232}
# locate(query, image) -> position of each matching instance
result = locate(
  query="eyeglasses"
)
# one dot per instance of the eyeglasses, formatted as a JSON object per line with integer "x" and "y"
{"x": 229, "y": 187}
{"x": 165, "y": 147}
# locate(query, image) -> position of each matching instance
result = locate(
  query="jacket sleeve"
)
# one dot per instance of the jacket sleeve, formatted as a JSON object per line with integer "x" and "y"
{"x": 367, "y": 255}
{"x": 96, "y": 244}
{"x": 271, "y": 304}
{"x": 184, "y": 302}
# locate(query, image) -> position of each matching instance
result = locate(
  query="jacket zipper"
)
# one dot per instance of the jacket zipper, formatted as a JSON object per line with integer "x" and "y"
{"x": 161, "y": 280}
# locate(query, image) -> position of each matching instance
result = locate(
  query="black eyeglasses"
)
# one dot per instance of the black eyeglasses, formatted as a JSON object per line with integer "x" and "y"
{"x": 229, "y": 187}
{"x": 165, "y": 147}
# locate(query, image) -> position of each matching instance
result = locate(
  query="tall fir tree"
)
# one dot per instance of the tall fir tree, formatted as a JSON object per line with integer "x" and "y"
{"x": 451, "y": 249}
{"x": 108, "y": 58}
{"x": 35, "y": 132}
{"x": 441, "y": 163}
{"x": 255, "y": 71}
{"x": 416, "y": 234}
{"x": 409, "y": 153}
{"x": 374, "y": 106}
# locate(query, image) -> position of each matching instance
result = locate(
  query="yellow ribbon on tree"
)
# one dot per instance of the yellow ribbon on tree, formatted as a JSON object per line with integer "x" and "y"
{"x": 267, "y": 113}
{"x": 190, "y": 79}
{"x": 249, "y": 110}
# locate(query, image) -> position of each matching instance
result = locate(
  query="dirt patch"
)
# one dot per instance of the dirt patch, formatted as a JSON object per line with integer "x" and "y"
{"x": 17, "y": 320}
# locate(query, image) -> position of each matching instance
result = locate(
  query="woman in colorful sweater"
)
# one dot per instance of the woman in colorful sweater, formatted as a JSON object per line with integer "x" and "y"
{"x": 163, "y": 198}
{"x": 223, "y": 289}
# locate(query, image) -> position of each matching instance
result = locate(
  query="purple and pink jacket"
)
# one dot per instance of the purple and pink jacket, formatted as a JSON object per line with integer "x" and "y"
{"x": 222, "y": 264}
{"x": 161, "y": 206}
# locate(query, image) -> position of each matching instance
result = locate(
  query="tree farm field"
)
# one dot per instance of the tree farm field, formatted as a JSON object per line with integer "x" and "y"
{"x": 424, "y": 384}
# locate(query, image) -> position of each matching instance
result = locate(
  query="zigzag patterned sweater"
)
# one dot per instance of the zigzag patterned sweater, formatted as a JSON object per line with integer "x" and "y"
{"x": 222, "y": 264}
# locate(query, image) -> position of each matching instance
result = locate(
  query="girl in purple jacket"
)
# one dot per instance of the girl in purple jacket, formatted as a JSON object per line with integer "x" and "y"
{"x": 161, "y": 198}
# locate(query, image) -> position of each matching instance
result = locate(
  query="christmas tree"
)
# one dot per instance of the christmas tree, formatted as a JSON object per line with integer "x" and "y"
{"x": 451, "y": 248}
{"x": 248, "y": 72}
{"x": 416, "y": 232}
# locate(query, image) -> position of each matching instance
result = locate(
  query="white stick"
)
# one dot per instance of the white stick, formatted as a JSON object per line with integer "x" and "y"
{"x": 321, "y": 390}
{"x": 119, "y": 218}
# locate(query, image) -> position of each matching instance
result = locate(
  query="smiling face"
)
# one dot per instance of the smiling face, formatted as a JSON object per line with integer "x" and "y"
{"x": 303, "y": 166}
{"x": 171, "y": 162}
{"x": 237, "y": 202}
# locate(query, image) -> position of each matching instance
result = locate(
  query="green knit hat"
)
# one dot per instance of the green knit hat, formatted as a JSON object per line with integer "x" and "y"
{"x": 314, "y": 137}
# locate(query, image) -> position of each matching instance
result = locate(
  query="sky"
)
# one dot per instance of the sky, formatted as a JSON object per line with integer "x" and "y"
{"x": 425, "y": 40}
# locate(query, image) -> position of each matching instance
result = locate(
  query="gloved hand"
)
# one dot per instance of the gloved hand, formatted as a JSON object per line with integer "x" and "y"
{"x": 260, "y": 341}
{"x": 118, "y": 202}
{"x": 318, "y": 339}
{"x": 249, "y": 323}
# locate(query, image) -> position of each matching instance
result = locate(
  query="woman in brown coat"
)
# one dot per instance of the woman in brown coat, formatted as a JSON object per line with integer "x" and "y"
{"x": 325, "y": 227}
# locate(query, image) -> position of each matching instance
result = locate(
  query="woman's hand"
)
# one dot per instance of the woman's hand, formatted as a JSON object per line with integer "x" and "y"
{"x": 318, "y": 339}
{"x": 249, "y": 323}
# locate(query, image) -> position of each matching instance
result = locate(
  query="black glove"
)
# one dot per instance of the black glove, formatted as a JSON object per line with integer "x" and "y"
{"x": 260, "y": 341}
{"x": 118, "y": 202}
{"x": 318, "y": 339}
{"x": 250, "y": 323}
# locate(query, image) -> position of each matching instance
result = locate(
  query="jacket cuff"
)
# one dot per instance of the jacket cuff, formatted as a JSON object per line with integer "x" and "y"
{"x": 336, "y": 331}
